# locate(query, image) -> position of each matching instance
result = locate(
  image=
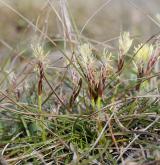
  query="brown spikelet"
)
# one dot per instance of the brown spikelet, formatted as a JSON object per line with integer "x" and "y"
{"x": 96, "y": 87}
{"x": 120, "y": 64}
{"x": 41, "y": 76}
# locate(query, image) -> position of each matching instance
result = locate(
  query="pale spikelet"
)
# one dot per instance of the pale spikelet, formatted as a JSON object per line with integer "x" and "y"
{"x": 40, "y": 55}
{"x": 86, "y": 54}
{"x": 125, "y": 42}
{"x": 143, "y": 54}
{"x": 107, "y": 60}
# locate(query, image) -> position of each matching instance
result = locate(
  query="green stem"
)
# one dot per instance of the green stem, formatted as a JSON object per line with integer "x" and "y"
{"x": 99, "y": 123}
{"x": 25, "y": 126}
{"x": 99, "y": 104}
{"x": 93, "y": 104}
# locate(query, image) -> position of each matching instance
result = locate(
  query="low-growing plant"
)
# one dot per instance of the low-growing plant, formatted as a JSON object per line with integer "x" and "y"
{"x": 101, "y": 108}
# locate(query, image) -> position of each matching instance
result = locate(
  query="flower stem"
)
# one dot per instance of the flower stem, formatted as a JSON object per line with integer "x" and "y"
{"x": 99, "y": 122}
{"x": 41, "y": 117}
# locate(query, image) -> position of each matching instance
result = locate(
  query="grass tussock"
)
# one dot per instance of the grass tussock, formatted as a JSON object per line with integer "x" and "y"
{"x": 85, "y": 105}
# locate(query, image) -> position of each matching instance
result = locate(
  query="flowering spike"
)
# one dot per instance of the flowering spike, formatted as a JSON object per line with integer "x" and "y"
{"x": 125, "y": 42}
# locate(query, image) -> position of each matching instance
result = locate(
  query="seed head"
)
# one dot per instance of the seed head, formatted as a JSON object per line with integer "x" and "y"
{"x": 40, "y": 54}
{"x": 144, "y": 54}
{"x": 125, "y": 42}
{"x": 86, "y": 55}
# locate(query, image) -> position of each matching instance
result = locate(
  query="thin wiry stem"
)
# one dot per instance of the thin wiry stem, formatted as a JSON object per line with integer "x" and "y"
{"x": 94, "y": 14}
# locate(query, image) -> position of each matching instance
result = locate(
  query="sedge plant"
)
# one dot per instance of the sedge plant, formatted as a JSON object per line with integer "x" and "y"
{"x": 41, "y": 61}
